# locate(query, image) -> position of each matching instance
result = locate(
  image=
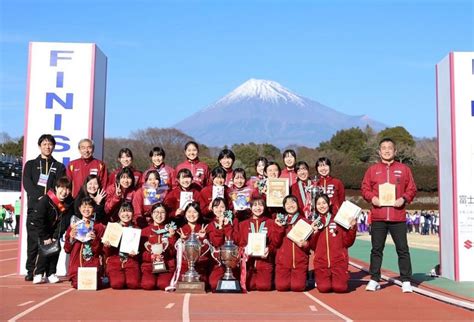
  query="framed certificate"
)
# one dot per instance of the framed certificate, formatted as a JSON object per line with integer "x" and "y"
{"x": 130, "y": 240}
{"x": 87, "y": 278}
{"x": 300, "y": 231}
{"x": 387, "y": 194}
{"x": 257, "y": 242}
{"x": 347, "y": 213}
{"x": 277, "y": 189}
{"x": 113, "y": 234}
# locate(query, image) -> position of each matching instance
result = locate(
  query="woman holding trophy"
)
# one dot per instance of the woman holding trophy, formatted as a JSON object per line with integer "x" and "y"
{"x": 158, "y": 255}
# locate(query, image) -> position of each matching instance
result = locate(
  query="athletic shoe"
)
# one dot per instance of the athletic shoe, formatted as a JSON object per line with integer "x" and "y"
{"x": 372, "y": 286}
{"x": 38, "y": 279}
{"x": 53, "y": 279}
{"x": 29, "y": 277}
{"x": 406, "y": 287}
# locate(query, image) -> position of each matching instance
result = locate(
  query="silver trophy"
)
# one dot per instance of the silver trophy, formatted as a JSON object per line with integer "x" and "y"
{"x": 229, "y": 256}
{"x": 190, "y": 280}
{"x": 314, "y": 191}
{"x": 159, "y": 265}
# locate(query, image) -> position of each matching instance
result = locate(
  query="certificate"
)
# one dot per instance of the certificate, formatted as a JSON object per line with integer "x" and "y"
{"x": 241, "y": 199}
{"x": 87, "y": 278}
{"x": 300, "y": 231}
{"x": 277, "y": 189}
{"x": 257, "y": 242}
{"x": 185, "y": 197}
{"x": 387, "y": 194}
{"x": 112, "y": 234}
{"x": 347, "y": 213}
{"x": 217, "y": 191}
{"x": 130, "y": 240}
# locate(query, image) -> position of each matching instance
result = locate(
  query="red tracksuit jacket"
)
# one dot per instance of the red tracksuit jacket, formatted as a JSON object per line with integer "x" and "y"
{"x": 172, "y": 199}
{"x": 78, "y": 170}
{"x": 334, "y": 189}
{"x": 113, "y": 202}
{"x": 137, "y": 174}
{"x": 290, "y": 174}
{"x": 199, "y": 169}
{"x": 290, "y": 255}
{"x": 396, "y": 173}
{"x": 167, "y": 175}
{"x": 169, "y": 255}
{"x": 206, "y": 200}
{"x": 295, "y": 191}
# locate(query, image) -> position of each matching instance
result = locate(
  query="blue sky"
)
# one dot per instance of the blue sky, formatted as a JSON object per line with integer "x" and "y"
{"x": 168, "y": 59}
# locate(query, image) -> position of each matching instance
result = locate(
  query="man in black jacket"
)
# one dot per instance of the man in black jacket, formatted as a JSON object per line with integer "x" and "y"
{"x": 39, "y": 175}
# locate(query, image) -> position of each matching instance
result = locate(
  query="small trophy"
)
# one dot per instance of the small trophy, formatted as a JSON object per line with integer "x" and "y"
{"x": 190, "y": 281}
{"x": 229, "y": 256}
{"x": 159, "y": 265}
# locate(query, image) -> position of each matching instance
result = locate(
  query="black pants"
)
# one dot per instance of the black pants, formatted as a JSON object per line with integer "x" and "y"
{"x": 17, "y": 224}
{"x": 398, "y": 231}
{"x": 31, "y": 246}
{"x": 46, "y": 264}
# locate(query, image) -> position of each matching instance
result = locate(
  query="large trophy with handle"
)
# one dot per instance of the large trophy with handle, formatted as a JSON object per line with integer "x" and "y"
{"x": 190, "y": 281}
{"x": 314, "y": 191}
{"x": 228, "y": 255}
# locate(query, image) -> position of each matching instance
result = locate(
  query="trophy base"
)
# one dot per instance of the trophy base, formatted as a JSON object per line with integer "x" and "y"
{"x": 228, "y": 286}
{"x": 159, "y": 267}
{"x": 190, "y": 287}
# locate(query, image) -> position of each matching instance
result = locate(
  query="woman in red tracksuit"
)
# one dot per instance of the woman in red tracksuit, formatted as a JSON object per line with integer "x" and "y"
{"x": 123, "y": 190}
{"x": 289, "y": 159}
{"x": 331, "y": 186}
{"x": 292, "y": 258}
{"x": 167, "y": 173}
{"x": 125, "y": 159}
{"x": 192, "y": 214}
{"x": 330, "y": 245}
{"x": 143, "y": 199}
{"x": 88, "y": 253}
{"x": 122, "y": 269}
{"x": 199, "y": 170}
{"x": 218, "y": 175}
{"x": 158, "y": 232}
{"x": 220, "y": 229}
{"x": 257, "y": 271}
{"x": 173, "y": 199}
{"x": 240, "y": 195}
{"x": 299, "y": 188}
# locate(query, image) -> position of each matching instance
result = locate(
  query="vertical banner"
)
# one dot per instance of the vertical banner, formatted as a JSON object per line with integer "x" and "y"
{"x": 65, "y": 97}
{"x": 455, "y": 109}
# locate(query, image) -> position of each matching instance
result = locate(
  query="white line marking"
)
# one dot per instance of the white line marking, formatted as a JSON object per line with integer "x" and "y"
{"x": 327, "y": 307}
{"x": 7, "y": 275}
{"x": 187, "y": 296}
{"x": 313, "y": 308}
{"x": 8, "y": 250}
{"x": 11, "y": 244}
{"x": 169, "y": 306}
{"x": 26, "y": 303}
{"x": 31, "y": 309}
{"x": 7, "y": 259}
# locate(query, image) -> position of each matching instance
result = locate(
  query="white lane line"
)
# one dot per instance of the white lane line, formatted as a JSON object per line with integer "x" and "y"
{"x": 2, "y": 276}
{"x": 169, "y": 306}
{"x": 7, "y": 259}
{"x": 31, "y": 309}
{"x": 8, "y": 250}
{"x": 187, "y": 296}
{"x": 313, "y": 308}
{"x": 327, "y": 307}
{"x": 26, "y": 303}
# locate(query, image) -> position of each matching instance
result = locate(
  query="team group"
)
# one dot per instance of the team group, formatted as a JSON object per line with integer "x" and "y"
{"x": 222, "y": 204}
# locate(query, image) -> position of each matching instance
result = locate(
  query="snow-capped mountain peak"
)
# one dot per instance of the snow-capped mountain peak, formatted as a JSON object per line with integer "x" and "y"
{"x": 265, "y": 90}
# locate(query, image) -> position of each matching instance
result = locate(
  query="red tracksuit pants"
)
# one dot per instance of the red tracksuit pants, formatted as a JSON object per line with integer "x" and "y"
{"x": 73, "y": 269}
{"x": 290, "y": 279}
{"x": 259, "y": 275}
{"x": 151, "y": 281}
{"x": 332, "y": 279}
{"x": 123, "y": 274}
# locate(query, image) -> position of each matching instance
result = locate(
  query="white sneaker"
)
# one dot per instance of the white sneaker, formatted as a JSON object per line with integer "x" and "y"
{"x": 372, "y": 286}
{"x": 38, "y": 279}
{"x": 406, "y": 287}
{"x": 53, "y": 279}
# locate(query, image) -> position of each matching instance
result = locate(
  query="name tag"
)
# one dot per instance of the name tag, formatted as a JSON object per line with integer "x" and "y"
{"x": 43, "y": 180}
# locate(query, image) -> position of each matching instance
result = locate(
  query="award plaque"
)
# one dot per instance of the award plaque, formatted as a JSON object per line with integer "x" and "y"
{"x": 387, "y": 195}
{"x": 300, "y": 231}
{"x": 347, "y": 213}
{"x": 87, "y": 278}
{"x": 113, "y": 234}
{"x": 277, "y": 189}
{"x": 257, "y": 242}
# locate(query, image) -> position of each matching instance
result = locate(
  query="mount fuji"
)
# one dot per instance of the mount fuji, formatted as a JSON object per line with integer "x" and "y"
{"x": 263, "y": 111}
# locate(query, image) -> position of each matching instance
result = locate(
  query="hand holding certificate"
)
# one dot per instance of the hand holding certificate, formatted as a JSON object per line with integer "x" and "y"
{"x": 257, "y": 242}
{"x": 112, "y": 234}
{"x": 300, "y": 231}
{"x": 387, "y": 195}
{"x": 347, "y": 213}
{"x": 130, "y": 240}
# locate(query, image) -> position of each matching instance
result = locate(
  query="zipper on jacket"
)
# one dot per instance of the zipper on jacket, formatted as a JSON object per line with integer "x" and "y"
{"x": 46, "y": 186}
{"x": 293, "y": 251}
{"x": 388, "y": 181}
{"x": 327, "y": 247}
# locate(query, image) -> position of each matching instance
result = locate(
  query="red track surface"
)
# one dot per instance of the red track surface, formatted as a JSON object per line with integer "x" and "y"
{"x": 24, "y": 301}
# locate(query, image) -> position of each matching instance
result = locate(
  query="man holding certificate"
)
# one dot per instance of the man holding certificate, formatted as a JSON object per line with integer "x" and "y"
{"x": 388, "y": 185}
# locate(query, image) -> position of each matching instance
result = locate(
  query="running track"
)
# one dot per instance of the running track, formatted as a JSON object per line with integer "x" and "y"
{"x": 20, "y": 300}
